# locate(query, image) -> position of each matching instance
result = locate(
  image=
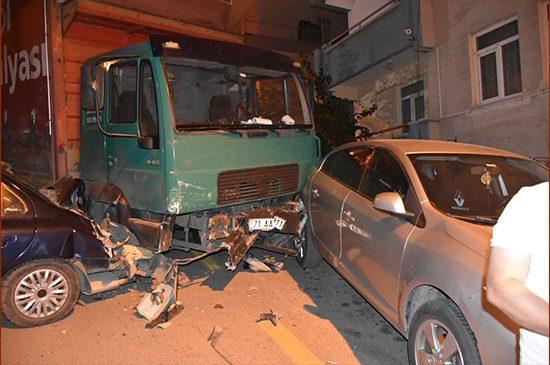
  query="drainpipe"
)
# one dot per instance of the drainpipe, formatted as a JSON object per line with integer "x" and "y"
{"x": 438, "y": 83}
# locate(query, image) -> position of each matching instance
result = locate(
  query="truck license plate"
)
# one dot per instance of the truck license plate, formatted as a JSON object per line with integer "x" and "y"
{"x": 266, "y": 224}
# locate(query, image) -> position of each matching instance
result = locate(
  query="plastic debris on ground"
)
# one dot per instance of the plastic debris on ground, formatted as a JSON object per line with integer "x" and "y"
{"x": 163, "y": 321}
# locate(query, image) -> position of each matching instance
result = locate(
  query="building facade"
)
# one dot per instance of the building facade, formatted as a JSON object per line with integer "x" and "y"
{"x": 464, "y": 70}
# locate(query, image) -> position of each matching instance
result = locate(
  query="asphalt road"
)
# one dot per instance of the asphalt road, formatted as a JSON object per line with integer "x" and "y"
{"x": 323, "y": 321}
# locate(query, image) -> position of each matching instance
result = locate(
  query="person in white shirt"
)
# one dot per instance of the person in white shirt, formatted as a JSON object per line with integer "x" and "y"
{"x": 517, "y": 277}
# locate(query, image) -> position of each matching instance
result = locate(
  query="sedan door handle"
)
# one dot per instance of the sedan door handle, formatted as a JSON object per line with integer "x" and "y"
{"x": 349, "y": 215}
{"x": 315, "y": 192}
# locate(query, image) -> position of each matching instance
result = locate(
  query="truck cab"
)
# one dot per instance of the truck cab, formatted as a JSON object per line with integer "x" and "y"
{"x": 186, "y": 135}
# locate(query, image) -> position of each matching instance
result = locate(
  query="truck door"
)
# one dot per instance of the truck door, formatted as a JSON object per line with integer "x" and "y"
{"x": 134, "y": 164}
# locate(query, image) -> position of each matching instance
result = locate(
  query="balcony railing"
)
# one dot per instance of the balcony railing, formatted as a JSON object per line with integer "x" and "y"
{"x": 362, "y": 23}
{"x": 389, "y": 30}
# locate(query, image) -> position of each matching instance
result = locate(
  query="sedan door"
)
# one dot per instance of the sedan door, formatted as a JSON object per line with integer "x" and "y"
{"x": 373, "y": 241}
{"x": 18, "y": 224}
{"x": 340, "y": 173}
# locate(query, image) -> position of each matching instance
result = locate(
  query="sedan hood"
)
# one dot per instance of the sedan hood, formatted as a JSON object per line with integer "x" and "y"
{"x": 475, "y": 236}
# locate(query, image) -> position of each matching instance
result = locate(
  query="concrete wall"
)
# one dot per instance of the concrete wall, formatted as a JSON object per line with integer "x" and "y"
{"x": 386, "y": 94}
{"x": 208, "y": 13}
{"x": 519, "y": 123}
{"x": 372, "y": 44}
{"x": 280, "y": 18}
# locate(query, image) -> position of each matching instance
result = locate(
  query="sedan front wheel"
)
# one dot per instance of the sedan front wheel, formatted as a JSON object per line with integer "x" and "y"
{"x": 440, "y": 335}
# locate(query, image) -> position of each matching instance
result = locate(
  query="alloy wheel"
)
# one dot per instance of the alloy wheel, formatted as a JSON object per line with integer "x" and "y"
{"x": 435, "y": 344}
{"x": 41, "y": 293}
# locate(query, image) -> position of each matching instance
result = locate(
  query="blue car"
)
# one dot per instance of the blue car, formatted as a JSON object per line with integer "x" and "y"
{"x": 46, "y": 251}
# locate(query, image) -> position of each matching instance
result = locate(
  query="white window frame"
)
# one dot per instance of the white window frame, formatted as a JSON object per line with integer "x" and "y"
{"x": 412, "y": 103}
{"x": 495, "y": 48}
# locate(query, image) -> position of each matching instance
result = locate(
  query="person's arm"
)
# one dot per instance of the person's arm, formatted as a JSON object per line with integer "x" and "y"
{"x": 506, "y": 289}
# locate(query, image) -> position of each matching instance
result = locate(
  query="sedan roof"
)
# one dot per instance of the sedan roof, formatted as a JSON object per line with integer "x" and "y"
{"x": 414, "y": 146}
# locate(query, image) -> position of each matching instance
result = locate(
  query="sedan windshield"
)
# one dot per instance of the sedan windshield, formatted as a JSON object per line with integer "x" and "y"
{"x": 209, "y": 95}
{"x": 475, "y": 187}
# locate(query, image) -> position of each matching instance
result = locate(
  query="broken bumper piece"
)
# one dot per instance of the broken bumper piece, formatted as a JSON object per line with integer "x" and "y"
{"x": 238, "y": 243}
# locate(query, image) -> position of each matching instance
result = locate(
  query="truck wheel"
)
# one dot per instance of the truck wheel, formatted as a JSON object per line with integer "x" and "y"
{"x": 40, "y": 292}
{"x": 439, "y": 334}
{"x": 308, "y": 257}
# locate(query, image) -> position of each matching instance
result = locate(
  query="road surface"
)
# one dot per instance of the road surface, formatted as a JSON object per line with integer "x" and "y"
{"x": 323, "y": 321}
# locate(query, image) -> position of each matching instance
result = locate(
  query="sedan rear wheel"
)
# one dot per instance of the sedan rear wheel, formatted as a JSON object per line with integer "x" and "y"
{"x": 39, "y": 293}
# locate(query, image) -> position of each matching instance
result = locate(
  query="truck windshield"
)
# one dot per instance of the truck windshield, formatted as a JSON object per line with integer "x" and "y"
{"x": 209, "y": 95}
{"x": 475, "y": 187}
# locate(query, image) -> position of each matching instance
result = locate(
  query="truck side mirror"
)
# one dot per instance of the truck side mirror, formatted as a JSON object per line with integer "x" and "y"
{"x": 148, "y": 142}
{"x": 87, "y": 93}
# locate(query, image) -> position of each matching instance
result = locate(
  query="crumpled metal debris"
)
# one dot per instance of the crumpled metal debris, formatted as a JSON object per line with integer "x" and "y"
{"x": 270, "y": 316}
{"x": 274, "y": 264}
{"x": 238, "y": 243}
{"x": 65, "y": 190}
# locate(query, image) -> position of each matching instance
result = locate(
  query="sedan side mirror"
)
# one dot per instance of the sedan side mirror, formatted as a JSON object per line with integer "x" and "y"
{"x": 392, "y": 203}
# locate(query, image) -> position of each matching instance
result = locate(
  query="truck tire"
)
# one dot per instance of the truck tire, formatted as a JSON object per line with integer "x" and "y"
{"x": 308, "y": 256}
{"x": 429, "y": 333}
{"x": 39, "y": 292}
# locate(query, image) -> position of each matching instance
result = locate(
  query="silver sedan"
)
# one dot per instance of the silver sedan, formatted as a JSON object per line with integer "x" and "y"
{"x": 408, "y": 224}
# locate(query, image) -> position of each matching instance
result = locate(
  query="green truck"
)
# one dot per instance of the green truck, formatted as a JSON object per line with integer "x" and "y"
{"x": 191, "y": 140}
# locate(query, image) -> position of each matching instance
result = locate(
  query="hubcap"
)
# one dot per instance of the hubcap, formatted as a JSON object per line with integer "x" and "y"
{"x": 41, "y": 293}
{"x": 435, "y": 344}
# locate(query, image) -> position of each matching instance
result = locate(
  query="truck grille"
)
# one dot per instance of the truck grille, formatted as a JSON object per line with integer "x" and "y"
{"x": 251, "y": 184}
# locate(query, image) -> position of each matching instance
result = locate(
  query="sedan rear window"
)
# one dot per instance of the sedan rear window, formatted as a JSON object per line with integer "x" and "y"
{"x": 12, "y": 205}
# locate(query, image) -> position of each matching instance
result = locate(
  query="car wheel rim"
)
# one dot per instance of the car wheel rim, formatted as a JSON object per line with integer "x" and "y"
{"x": 41, "y": 293}
{"x": 435, "y": 344}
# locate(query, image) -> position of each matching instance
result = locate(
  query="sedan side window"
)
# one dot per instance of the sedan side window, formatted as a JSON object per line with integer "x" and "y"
{"x": 347, "y": 166}
{"x": 12, "y": 205}
{"x": 385, "y": 175}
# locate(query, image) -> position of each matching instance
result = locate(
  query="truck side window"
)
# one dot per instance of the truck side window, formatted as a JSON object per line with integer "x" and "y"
{"x": 122, "y": 87}
{"x": 148, "y": 116}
